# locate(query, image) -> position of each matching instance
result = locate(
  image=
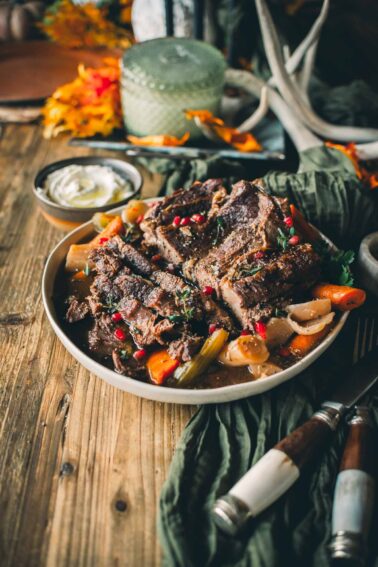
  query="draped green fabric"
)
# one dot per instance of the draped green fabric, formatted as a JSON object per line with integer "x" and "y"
{"x": 221, "y": 442}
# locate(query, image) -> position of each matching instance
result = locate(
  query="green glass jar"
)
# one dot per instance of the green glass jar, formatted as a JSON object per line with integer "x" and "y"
{"x": 162, "y": 78}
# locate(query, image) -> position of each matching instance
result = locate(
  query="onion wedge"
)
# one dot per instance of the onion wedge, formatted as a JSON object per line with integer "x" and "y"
{"x": 311, "y": 317}
{"x": 309, "y": 310}
{"x": 246, "y": 349}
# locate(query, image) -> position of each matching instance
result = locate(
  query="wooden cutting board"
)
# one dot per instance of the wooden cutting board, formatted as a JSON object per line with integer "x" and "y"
{"x": 32, "y": 70}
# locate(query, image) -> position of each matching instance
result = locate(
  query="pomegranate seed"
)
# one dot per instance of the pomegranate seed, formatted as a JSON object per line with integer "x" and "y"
{"x": 103, "y": 239}
{"x": 198, "y": 218}
{"x": 185, "y": 221}
{"x": 260, "y": 329}
{"x": 285, "y": 352}
{"x": 212, "y": 328}
{"x": 294, "y": 240}
{"x": 176, "y": 221}
{"x": 139, "y": 354}
{"x": 289, "y": 221}
{"x": 208, "y": 290}
{"x": 120, "y": 334}
{"x": 139, "y": 219}
{"x": 260, "y": 254}
{"x": 116, "y": 317}
{"x": 156, "y": 258}
{"x": 245, "y": 332}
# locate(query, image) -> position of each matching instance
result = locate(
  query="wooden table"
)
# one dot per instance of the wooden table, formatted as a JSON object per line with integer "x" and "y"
{"x": 81, "y": 463}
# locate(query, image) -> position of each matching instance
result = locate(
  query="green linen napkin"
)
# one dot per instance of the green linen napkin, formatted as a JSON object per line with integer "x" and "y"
{"x": 221, "y": 442}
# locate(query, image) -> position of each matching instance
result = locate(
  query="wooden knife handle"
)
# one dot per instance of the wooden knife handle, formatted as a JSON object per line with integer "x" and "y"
{"x": 276, "y": 471}
{"x": 306, "y": 441}
{"x": 359, "y": 451}
{"x": 354, "y": 493}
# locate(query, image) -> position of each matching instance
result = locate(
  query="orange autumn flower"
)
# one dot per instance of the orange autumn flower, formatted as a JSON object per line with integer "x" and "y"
{"x": 159, "y": 140}
{"x": 242, "y": 141}
{"x": 367, "y": 177}
{"x": 85, "y": 25}
{"x": 88, "y": 105}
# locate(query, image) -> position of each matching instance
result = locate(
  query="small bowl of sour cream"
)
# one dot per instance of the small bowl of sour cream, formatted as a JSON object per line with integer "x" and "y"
{"x": 71, "y": 191}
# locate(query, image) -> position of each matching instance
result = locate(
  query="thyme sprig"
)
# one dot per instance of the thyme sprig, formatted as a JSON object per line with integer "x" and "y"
{"x": 131, "y": 233}
{"x": 250, "y": 271}
{"x": 283, "y": 239}
{"x": 187, "y": 313}
{"x": 220, "y": 230}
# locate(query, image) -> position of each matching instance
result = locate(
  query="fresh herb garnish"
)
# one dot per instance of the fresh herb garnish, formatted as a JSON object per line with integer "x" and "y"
{"x": 282, "y": 240}
{"x": 111, "y": 304}
{"x": 279, "y": 312}
{"x": 220, "y": 229}
{"x": 125, "y": 354}
{"x": 187, "y": 312}
{"x": 250, "y": 271}
{"x": 176, "y": 318}
{"x": 131, "y": 233}
{"x": 336, "y": 265}
{"x": 87, "y": 269}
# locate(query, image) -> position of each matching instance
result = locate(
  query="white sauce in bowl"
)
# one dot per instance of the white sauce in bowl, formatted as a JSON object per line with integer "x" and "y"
{"x": 86, "y": 186}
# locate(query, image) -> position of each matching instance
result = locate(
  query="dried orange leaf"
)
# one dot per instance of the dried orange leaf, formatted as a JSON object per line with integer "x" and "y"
{"x": 205, "y": 116}
{"x": 370, "y": 178}
{"x": 242, "y": 141}
{"x": 159, "y": 140}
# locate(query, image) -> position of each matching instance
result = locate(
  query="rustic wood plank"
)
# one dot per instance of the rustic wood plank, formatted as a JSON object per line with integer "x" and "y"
{"x": 81, "y": 464}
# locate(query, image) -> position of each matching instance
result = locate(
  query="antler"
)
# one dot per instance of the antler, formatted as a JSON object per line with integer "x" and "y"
{"x": 293, "y": 96}
{"x": 302, "y": 137}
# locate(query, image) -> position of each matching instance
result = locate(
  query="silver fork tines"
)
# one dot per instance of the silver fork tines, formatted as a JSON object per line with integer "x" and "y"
{"x": 366, "y": 337}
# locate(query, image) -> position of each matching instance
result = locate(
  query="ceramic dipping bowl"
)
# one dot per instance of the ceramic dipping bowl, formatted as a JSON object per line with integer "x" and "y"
{"x": 368, "y": 263}
{"x": 67, "y": 218}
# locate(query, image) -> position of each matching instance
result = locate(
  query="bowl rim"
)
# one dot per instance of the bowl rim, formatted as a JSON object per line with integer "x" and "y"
{"x": 185, "y": 396}
{"x": 137, "y": 183}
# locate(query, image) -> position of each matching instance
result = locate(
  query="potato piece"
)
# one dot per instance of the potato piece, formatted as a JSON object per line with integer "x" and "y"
{"x": 246, "y": 349}
{"x": 278, "y": 332}
{"x": 134, "y": 210}
{"x": 263, "y": 370}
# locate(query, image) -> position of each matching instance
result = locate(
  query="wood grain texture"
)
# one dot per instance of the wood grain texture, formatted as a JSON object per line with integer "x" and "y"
{"x": 81, "y": 464}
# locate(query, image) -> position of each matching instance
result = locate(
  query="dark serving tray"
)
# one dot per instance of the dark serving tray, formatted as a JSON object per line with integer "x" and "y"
{"x": 269, "y": 133}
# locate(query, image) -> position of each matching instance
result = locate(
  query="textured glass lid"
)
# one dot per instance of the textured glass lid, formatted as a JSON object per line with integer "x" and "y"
{"x": 173, "y": 64}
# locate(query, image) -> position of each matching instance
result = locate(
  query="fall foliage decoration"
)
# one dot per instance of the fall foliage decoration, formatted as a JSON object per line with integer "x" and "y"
{"x": 242, "y": 141}
{"x": 85, "y": 25}
{"x": 368, "y": 177}
{"x": 88, "y": 105}
{"x": 159, "y": 140}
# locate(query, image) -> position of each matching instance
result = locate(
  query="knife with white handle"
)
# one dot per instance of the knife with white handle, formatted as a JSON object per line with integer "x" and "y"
{"x": 354, "y": 493}
{"x": 280, "y": 467}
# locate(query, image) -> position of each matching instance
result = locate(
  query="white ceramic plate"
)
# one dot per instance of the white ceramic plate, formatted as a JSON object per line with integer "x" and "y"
{"x": 149, "y": 391}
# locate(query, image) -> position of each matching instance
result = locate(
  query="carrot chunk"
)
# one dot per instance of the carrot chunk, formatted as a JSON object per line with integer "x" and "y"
{"x": 77, "y": 256}
{"x": 342, "y": 297}
{"x": 160, "y": 365}
{"x": 301, "y": 345}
